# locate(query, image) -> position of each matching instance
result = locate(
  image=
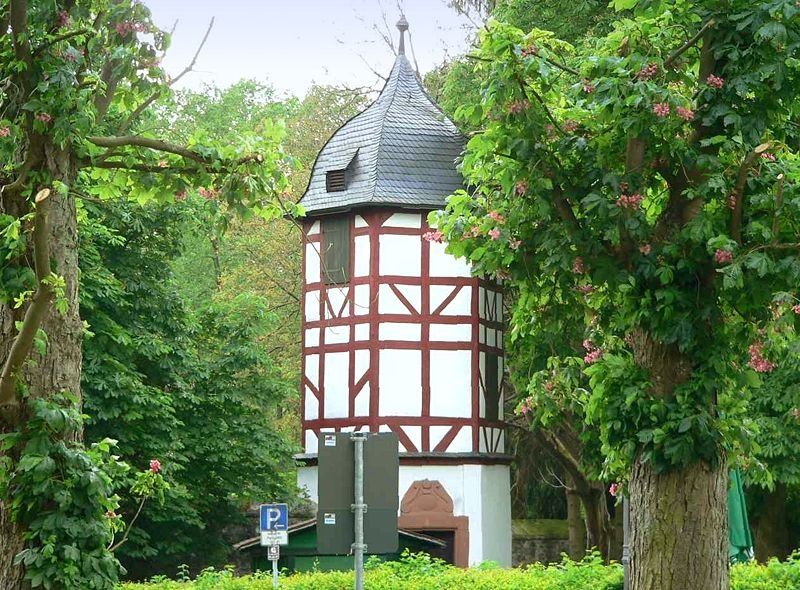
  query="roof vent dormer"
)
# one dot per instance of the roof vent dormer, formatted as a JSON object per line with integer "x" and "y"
{"x": 336, "y": 180}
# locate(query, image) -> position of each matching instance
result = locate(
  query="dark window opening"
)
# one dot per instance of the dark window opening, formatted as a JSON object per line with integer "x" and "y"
{"x": 447, "y": 553}
{"x": 492, "y": 387}
{"x": 336, "y": 250}
{"x": 335, "y": 180}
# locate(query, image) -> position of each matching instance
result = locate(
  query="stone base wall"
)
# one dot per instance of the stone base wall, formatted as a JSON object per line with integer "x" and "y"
{"x": 542, "y": 541}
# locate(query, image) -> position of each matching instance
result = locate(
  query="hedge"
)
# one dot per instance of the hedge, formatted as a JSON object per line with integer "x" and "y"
{"x": 420, "y": 572}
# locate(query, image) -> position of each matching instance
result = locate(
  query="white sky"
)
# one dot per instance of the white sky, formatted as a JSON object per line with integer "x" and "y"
{"x": 292, "y": 43}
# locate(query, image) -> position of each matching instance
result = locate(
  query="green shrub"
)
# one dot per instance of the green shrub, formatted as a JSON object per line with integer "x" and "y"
{"x": 420, "y": 572}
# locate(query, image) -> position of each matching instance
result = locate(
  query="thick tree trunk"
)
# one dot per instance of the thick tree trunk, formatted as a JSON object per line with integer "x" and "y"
{"x": 60, "y": 368}
{"x": 772, "y": 533}
{"x": 577, "y": 526}
{"x": 679, "y": 528}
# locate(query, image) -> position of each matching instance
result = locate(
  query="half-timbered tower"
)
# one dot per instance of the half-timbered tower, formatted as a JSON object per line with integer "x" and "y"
{"x": 397, "y": 334}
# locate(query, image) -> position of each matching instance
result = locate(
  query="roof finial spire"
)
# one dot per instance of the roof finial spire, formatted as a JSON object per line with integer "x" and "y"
{"x": 402, "y": 25}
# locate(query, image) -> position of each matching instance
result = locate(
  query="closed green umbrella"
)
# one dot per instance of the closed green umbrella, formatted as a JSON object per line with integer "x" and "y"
{"x": 741, "y": 541}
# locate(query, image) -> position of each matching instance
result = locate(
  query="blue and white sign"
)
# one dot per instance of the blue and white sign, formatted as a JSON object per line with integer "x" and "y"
{"x": 274, "y": 524}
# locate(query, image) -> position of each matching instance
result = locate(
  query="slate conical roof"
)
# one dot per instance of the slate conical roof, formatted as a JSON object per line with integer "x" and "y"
{"x": 401, "y": 151}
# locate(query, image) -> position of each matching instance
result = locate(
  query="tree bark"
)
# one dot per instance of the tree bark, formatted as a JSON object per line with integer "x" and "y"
{"x": 597, "y": 520}
{"x": 59, "y": 370}
{"x": 772, "y": 533}
{"x": 577, "y": 526}
{"x": 679, "y": 528}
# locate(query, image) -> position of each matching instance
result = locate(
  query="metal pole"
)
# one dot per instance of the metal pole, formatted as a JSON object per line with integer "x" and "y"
{"x": 359, "y": 508}
{"x": 274, "y": 573}
{"x": 626, "y": 548}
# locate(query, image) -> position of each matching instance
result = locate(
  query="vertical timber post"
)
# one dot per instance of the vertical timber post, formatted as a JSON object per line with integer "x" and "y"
{"x": 626, "y": 548}
{"x": 359, "y": 508}
{"x": 274, "y": 573}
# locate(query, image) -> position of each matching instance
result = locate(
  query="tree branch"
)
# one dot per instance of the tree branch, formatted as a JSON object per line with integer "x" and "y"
{"x": 40, "y": 302}
{"x": 114, "y": 546}
{"x": 776, "y": 219}
{"x": 60, "y": 38}
{"x": 690, "y": 43}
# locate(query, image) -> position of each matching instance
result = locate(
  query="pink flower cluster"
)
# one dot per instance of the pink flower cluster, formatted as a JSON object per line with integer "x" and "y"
{"x": 127, "y": 26}
{"x": 769, "y": 156}
{"x": 526, "y": 405}
{"x": 497, "y": 216}
{"x": 661, "y": 109}
{"x": 731, "y": 201}
{"x": 796, "y": 413}
{"x": 593, "y": 354}
{"x": 433, "y": 236}
{"x": 180, "y": 195}
{"x": 515, "y": 107}
{"x": 796, "y": 309}
{"x": 474, "y": 232}
{"x": 757, "y": 360}
{"x": 63, "y": 19}
{"x": 586, "y": 289}
{"x": 629, "y": 202}
{"x": 570, "y": 125}
{"x": 515, "y": 244}
{"x": 549, "y": 386}
{"x": 648, "y": 71}
{"x": 685, "y": 113}
{"x": 578, "y": 267}
{"x": 715, "y": 81}
{"x": 530, "y": 50}
{"x": 44, "y": 117}
{"x": 723, "y": 256}
{"x": 613, "y": 489}
{"x": 4, "y": 132}
{"x": 155, "y": 465}
{"x": 521, "y": 188}
{"x": 588, "y": 87}
{"x": 645, "y": 249}
{"x": 208, "y": 193}
{"x": 494, "y": 233}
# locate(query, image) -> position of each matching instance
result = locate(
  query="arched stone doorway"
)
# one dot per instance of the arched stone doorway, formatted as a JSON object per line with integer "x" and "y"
{"x": 428, "y": 508}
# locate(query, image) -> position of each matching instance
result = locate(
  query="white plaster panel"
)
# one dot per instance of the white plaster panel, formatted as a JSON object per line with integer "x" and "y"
{"x": 482, "y": 302}
{"x": 482, "y": 334}
{"x": 439, "y": 293}
{"x": 460, "y": 305}
{"x": 491, "y": 337}
{"x": 307, "y": 480}
{"x": 361, "y": 405}
{"x": 361, "y": 301}
{"x": 312, "y": 369}
{"x": 404, "y": 220}
{"x": 399, "y": 331}
{"x": 436, "y": 434}
{"x": 481, "y": 398}
{"x": 360, "y": 222}
{"x": 361, "y": 256}
{"x": 312, "y": 264}
{"x": 451, "y": 381}
{"x": 337, "y": 334}
{"x": 501, "y": 444}
{"x": 312, "y": 306}
{"x": 361, "y": 364}
{"x": 336, "y": 297}
{"x": 312, "y": 337}
{"x": 400, "y": 255}
{"x": 336, "y": 384}
{"x": 400, "y": 383}
{"x": 311, "y": 442}
{"x": 414, "y": 433}
{"x": 451, "y": 332}
{"x": 362, "y": 332}
{"x": 314, "y": 229}
{"x": 413, "y": 294}
{"x": 482, "y": 439}
{"x": 443, "y": 264}
{"x": 462, "y": 443}
{"x": 388, "y": 302}
{"x": 311, "y": 406}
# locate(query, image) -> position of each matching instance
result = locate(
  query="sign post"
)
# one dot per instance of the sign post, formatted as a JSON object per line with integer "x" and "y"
{"x": 359, "y": 508}
{"x": 274, "y": 519}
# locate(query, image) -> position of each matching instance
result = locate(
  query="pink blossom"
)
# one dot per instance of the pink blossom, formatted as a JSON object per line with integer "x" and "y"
{"x": 433, "y": 236}
{"x": 530, "y": 50}
{"x": 208, "y": 194}
{"x": 732, "y": 201}
{"x": 685, "y": 113}
{"x": 588, "y": 87}
{"x": 796, "y": 413}
{"x": 497, "y": 217}
{"x": 796, "y": 309}
{"x": 474, "y": 232}
{"x": 715, "y": 81}
{"x": 588, "y": 345}
{"x": 645, "y": 249}
{"x": 593, "y": 356}
{"x": 63, "y": 19}
{"x": 494, "y": 234}
{"x": 111, "y": 514}
{"x": 629, "y": 202}
{"x": 723, "y": 256}
{"x": 526, "y": 405}
{"x": 577, "y": 266}
{"x": 648, "y": 71}
{"x": 44, "y": 117}
{"x": 586, "y": 289}
{"x": 4, "y": 132}
{"x": 757, "y": 360}
{"x": 515, "y": 107}
{"x": 155, "y": 465}
{"x": 613, "y": 489}
{"x": 180, "y": 195}
{"x": 570, "y": 125}
{"x": 163, "y": 163}
{"x": 548, "y": 386}
{"x": 661, "y": 109}
{"x": 514, "y": 244}
{"x": 521, "y": 188}
{"x": 769, "y": 156}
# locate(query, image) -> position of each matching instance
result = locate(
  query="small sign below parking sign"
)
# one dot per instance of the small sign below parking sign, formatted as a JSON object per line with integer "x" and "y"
{"x": 274, "y": 520}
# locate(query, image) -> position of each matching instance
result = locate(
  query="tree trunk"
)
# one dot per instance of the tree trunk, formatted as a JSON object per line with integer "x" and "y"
{"x": 60, "y": 368}
{"x": 679, "y": 528}
{"x": 772, "y": 533}
{"x": 577, "y": 526}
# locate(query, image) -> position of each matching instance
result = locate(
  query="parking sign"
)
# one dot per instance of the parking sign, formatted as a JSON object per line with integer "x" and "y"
{"x": 274, "y": 524}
